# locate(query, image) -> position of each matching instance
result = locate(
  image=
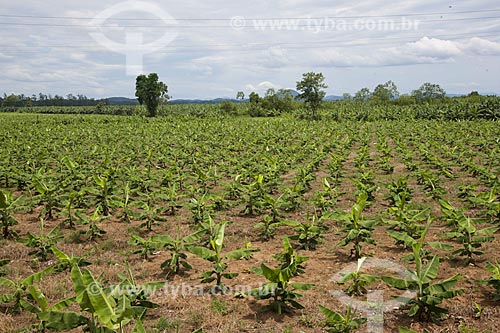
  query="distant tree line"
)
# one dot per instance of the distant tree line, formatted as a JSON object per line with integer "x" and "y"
{"x": 41, "y": 99}
{"x": 387, "y": 92}
{"x": 306, "y": 100}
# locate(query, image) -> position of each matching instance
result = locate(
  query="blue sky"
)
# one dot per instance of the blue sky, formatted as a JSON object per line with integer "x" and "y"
{"x": 214, "y": 49}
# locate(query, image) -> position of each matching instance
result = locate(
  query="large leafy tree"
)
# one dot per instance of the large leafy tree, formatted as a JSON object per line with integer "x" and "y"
{"x": 151, "y": 92}
{"x": 254, "y": 98}
{"x": 10, "y": 100}
{"x": 310, "y": 91}
{"x": 429, "y": 91}
{"x": 346, "y": 97}
{"x": 363, "y": 94}
{"x": 280, "y": 101}
{"x": 272, "y": 104}
{"x": 240, "y": 95}
{"x": 385, "y": 92}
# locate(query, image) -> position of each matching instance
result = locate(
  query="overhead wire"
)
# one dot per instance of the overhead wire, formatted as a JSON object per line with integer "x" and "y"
{"x": 252, "y": 47}
{"x": 256, "y": 24}
{"x": 254, "y": 18}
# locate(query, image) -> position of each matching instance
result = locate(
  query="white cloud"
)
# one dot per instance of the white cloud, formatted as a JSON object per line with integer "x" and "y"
{"x": 433, "y": 48}
{"x": 481, "y": 46}
{"x": 424, "y": 51}
{"x": 273, "y": 57}
{"x": 197, "y": 68}
{"x": 336, "y": 58}
{"x": 261, "y": 87}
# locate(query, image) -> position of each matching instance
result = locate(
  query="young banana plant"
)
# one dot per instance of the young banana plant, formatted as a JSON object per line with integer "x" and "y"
{"x": 73, "y": 177}
{"x": 358, "y": 280}
{"x": 385, "y": 164}
{"x": 43, "y": 242}
{"x": 178, "y": 248}
{"x": 8, "y": 206}
{"x": 407, "y": 330}
{"x": 103, "y": 193}
{"x": 325, "y": 199}
{"x": 94, "y": 231}
{"x": 146, "y": 247}
{"x": 171, "y": 196}
{"x": 69, "y": 210}
{"x": 308, "y": 234}
{"x": 291, "y": 198}
{"x": 431, "y": 184}
{"x": 406, "y": 224}
{"x": 470, "y": 237}
{"x": 126, "y": 213}
{"x": 337, "y": 323}
{"x": 493, "y": 280}
{"x": 399, "y": 190}
{"x": 268, "y": 227}
{"x": 282, "y": 293}
{"x": 38, "y": 304}
{"x": 254, "y": 196}
{"x": 47, "y": 195}
{"x": 150, "y": 215}
{"x": 66, "y": 262}
{"x": 450, "y": 214}
{"x": 492, "y": 204}
{"x": 102, "y": 309}
{"x": 233, "y": 189}
{"x": 218, "y": 259}
{"x": 357, "y": 229}
{"x": 335, "y": 168}
{"x": 3, "y": 264}
{"x": 429, "y": 294}
{"x": 18, "y": 296}
{"x": 365, "y": 184}
{"x": 200, "y": 208}
{"x": 274, "y": 206}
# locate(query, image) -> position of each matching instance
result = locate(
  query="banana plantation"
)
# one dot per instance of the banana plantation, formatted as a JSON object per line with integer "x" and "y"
{"x": 197, "y": 221}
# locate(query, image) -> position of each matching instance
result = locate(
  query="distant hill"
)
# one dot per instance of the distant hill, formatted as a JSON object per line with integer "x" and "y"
{"x": 133, "y": 101}
{"x": 204, "y": 101}
{"x": 333, "y": 98}
{"x": 121, "y": 101}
